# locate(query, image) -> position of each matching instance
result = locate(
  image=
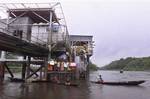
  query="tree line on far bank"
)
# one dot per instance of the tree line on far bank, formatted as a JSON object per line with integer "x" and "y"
{"x": 92, "y": 66}
{"x": 130, "y": 64}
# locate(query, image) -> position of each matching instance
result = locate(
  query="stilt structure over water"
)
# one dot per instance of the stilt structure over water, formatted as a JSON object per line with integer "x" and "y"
{"x": 38, "y": 32}
{"x": 82, "y": 50}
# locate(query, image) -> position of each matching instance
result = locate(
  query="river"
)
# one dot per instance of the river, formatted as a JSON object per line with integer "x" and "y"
{"x": 86, "y": 90}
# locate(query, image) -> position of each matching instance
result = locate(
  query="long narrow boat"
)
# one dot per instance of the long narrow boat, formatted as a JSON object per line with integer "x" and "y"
{"x": 16, "y": 79}
{"x": 130, "y": 83}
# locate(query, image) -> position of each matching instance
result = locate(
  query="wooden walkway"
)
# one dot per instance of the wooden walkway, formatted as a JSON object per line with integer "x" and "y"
{"x": 23, "y": 47}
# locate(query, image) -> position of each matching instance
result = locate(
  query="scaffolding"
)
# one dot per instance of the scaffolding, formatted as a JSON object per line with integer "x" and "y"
{"x": 24, "y": 25}
{"x": 45, "y": 22}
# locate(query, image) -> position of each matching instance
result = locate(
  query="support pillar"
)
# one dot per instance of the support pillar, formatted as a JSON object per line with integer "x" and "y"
{"x": 87, "y": 68}
{"x": 2, "y": 72}
{"x": 45, "y": 67}
{"x": 28, "y": 66}
{"x": 34, "y": 72}
{"x": 3, "y": 55}
{"x": 11, "y": 74}
{"x": 41, "y": 73}
{"x": 24, "y": 65}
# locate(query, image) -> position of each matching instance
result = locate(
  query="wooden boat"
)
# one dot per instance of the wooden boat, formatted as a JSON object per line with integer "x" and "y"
{"x": 129, "y": 83}
{"x": 16, "y": 79}
{"x": 121, "y": 71}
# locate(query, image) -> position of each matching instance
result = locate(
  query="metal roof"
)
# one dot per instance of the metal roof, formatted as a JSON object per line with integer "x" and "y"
{"x": 43, "y": 12}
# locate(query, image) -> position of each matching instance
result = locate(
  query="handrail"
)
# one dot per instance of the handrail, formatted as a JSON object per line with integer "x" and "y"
{"x": 31, "y": 41}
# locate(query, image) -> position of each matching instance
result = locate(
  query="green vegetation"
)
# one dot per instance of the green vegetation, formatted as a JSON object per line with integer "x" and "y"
{"x": 131, "y": 64}
{"x": 93, "y": 67}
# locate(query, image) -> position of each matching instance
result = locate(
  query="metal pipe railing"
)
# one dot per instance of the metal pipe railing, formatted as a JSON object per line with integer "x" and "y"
{"x": 3, "y": 30}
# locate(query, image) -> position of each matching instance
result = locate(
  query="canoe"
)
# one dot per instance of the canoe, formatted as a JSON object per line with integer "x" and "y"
{"x": 16, "y": 79}
{"x": 121, "y": 71}
{"x": 130, "y": 83}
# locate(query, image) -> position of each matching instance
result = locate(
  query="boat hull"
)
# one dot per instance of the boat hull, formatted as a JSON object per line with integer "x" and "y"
{"x": 130, "y": 83}
{"x": 16, "y": 79}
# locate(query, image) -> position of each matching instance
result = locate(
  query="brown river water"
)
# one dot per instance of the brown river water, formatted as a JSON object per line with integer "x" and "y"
{"x": 85, "y": 90}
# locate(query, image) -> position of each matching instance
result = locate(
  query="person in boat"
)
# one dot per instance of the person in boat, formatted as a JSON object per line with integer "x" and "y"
{"x": 100, "y": 78}
{"x": 121, "y": 71}
{"x": 56, "y": 80}
{"x": 67, "y": 82}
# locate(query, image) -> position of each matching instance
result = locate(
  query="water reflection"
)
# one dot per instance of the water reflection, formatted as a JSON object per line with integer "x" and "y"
{"x": 86, "y": 90}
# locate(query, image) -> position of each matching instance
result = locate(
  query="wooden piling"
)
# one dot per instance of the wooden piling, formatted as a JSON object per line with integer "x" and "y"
{"x": 9, "y": 71}
{"x": 34, "y": 72}
{"x": 45, "y": 67}
{"x": 41, "y": 73}
{"x": 2, "y": 72}
{"x": 24, "y": 65}
{"x": 87, "y": 68}
{"x": 28, "y": 67}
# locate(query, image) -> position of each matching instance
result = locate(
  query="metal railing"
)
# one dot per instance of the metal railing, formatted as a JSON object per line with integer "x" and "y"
{"x": 56, "y": 6}
{"x": 43, "y": 44}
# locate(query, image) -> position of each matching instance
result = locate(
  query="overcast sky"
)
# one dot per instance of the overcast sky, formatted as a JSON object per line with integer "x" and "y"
{"x": 121, "y": 28}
